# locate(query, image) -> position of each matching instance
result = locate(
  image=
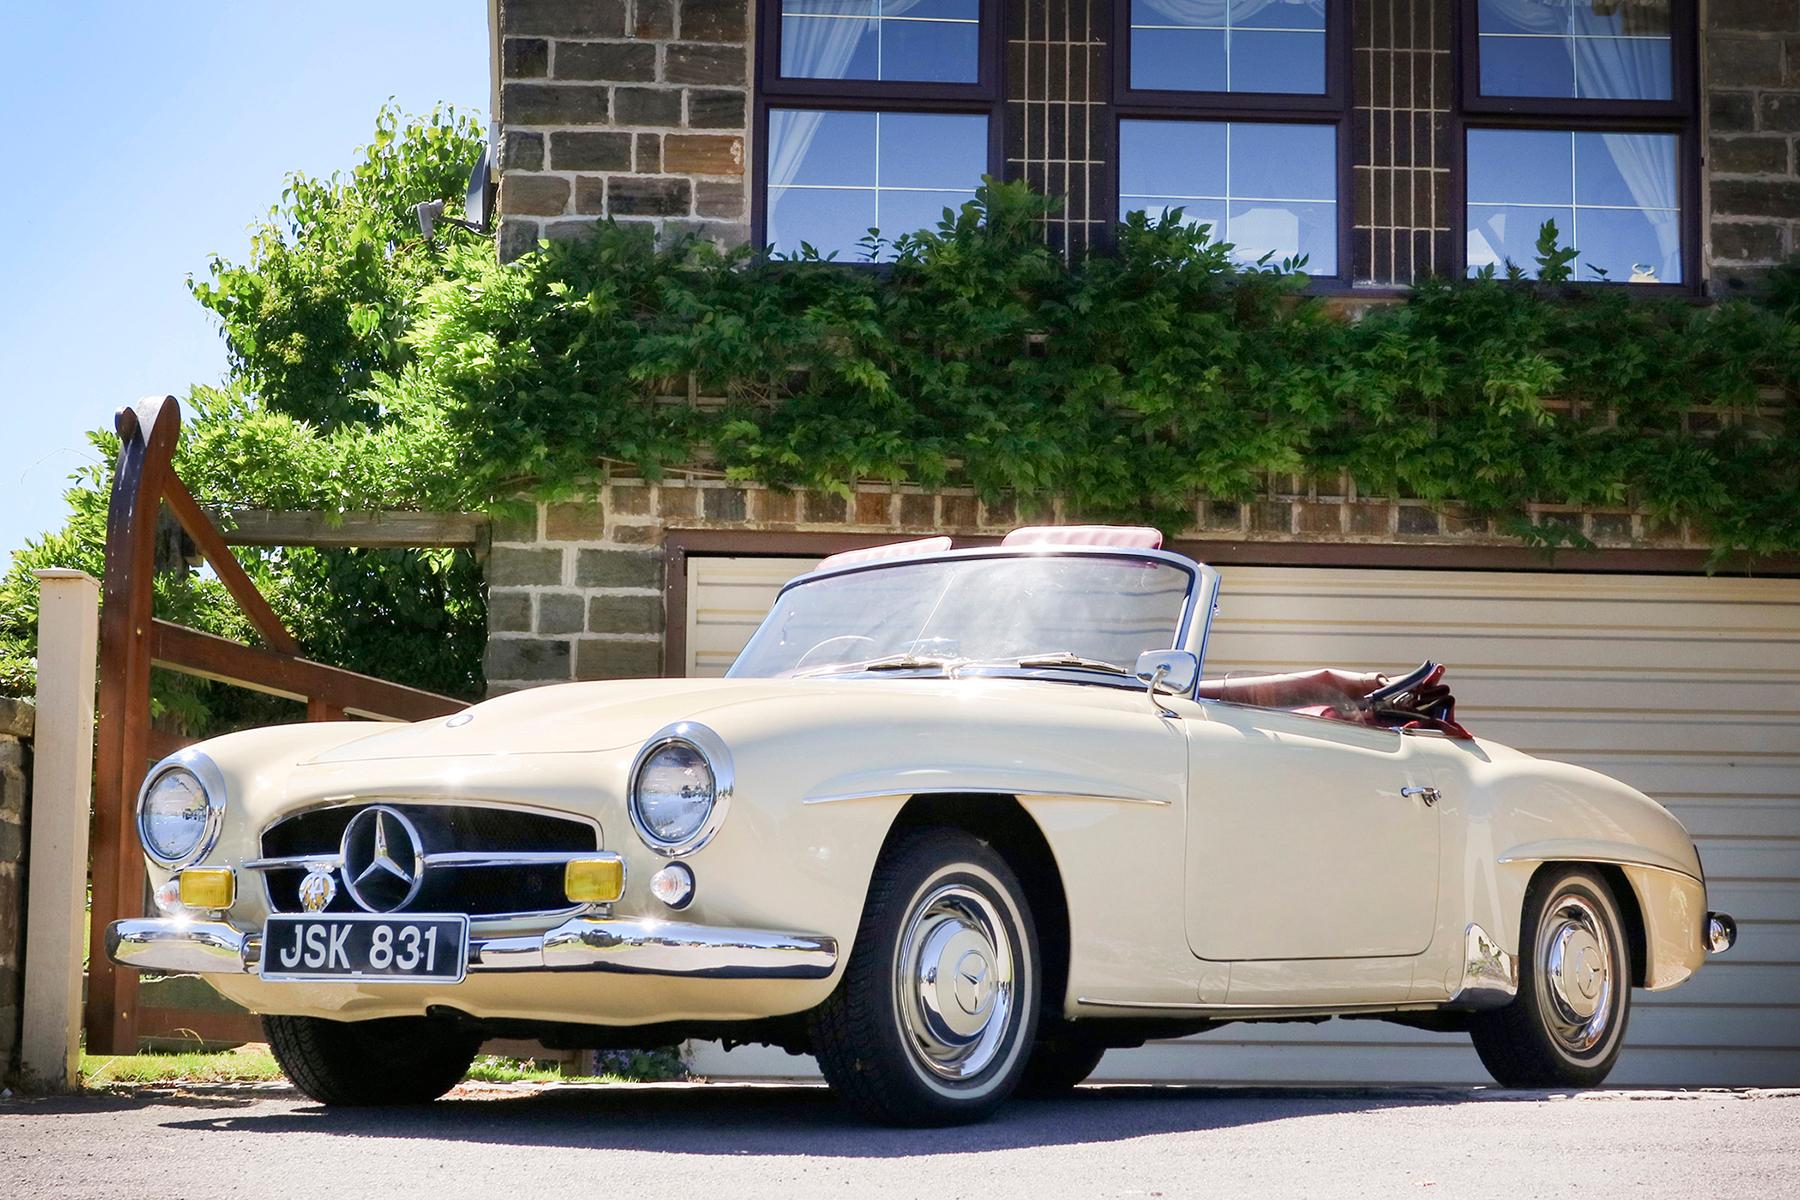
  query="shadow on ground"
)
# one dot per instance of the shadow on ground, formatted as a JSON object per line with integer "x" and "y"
{"x": 724, "y": 1119}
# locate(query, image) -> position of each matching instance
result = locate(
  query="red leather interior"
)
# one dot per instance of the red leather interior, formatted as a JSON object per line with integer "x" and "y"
{"x": 1345, "y": 696}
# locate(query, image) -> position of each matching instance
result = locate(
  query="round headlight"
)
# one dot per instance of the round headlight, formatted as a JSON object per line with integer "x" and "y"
{"x": 178, "y": 817}
{"x": 679, "y": 789}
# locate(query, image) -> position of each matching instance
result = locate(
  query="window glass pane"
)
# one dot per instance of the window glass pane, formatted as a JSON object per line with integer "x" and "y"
{"x": 1501, "y": 233}
{"x": 1166, "y": 158}
{"x": 920, "y": 40}
{"x": 1527, "y": 66}
{"x": 1265, "y": 188}
{"x": 934, "y": 51}
{"x": 1587, "y": 49}
{"x": 934, "y": 150}
{"x": 1277, "y": 61}
{"x": 835, "y": 175}
{"x": 1229, "y": 45}
{"x": 830, "y": 219}
{"x": 1527, "y": 166}
{"x": 1294, "y": 161}
{"x": 1613, "y": 197}
{"x": 818, "y": 149}
{"x": 1178, "y": 59}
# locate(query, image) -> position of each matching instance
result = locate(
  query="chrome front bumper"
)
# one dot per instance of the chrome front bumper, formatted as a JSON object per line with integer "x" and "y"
{"x": 622, "y": 945}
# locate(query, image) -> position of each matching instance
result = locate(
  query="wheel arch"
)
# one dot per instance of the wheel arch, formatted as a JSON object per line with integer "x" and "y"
{"x": 1631, "y": 909}
{"x": 1004, "y": 824}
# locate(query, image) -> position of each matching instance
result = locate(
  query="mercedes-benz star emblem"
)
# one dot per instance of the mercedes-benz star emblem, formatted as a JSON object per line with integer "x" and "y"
{"x": 384, "y": 860}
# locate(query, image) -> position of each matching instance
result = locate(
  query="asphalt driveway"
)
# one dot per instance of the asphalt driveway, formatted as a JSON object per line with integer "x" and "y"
{"x": 718, "y": 1141}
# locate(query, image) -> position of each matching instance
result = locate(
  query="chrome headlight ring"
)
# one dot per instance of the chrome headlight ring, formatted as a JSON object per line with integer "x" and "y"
{"x": 212, "y": 786}
{"x": 711, "y": 748}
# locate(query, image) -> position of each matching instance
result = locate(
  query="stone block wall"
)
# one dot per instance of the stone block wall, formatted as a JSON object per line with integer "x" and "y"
{"x": 632, "y": 109}
{"x": 1752, "y": 111}
{"x": 576, "y": 589}
{"x": 17, "y": 723}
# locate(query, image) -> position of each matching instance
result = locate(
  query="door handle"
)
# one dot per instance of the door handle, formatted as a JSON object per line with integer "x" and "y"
{"x": 1429, "y": 795}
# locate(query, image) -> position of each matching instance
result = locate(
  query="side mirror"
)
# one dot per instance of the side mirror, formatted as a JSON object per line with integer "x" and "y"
{"x": 1173, "y": 671}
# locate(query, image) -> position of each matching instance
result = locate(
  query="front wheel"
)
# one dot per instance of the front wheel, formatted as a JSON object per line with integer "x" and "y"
{"x": 392, "y": 1060}
{"x": 937, "y": 1008}
{"x": 1567, "y": 1024}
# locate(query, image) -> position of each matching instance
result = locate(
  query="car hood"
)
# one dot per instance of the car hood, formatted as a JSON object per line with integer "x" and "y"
{"x": 559, "y": 719}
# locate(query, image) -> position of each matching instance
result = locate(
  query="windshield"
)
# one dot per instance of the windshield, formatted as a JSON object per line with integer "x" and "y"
{"x": 1106, "y": 608}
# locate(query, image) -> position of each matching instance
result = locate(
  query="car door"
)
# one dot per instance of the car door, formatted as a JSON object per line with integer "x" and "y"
{"x": 1308, "y": 838}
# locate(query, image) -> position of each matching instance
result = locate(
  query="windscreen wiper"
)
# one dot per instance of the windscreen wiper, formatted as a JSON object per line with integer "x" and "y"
{"x": 892, "y": 662}
{"x": 1068, "y": 658}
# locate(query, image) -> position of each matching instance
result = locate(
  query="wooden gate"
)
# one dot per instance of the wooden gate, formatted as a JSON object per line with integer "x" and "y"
{"x": 132, "y": 641}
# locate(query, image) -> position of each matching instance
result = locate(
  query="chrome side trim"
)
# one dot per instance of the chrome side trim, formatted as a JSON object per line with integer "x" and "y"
{"x": 1490, "y": 976}
{"x": 885, "y": 793}
{"x": 1613, "y": 860}
{"x": 1245, "y": 1012}
{"x": 624, "y": 945}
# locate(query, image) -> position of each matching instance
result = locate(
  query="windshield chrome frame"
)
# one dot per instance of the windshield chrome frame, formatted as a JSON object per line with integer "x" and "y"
{"x": 1190, "y": 632}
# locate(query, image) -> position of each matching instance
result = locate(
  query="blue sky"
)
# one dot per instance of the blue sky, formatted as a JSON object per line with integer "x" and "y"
{"x": 141, "y": 139}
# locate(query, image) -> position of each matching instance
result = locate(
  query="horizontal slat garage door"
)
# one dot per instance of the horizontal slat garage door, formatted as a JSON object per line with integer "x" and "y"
{"x": 1687, "y": 688}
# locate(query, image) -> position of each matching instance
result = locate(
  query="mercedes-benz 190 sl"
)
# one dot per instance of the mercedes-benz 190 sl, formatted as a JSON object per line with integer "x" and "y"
{"x": 956, "y": 822}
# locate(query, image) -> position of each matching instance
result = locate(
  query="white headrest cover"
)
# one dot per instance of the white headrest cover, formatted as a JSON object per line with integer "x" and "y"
{"x": 1138, "y": 537}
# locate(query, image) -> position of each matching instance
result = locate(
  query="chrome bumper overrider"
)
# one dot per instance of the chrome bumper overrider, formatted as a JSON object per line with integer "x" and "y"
{"x": 1721, "y": 932}
{"x": 622, "y": 945}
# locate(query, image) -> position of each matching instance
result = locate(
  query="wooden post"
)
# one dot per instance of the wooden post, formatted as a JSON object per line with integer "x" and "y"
{"x": 146, "y": 444}
{"x": 61, "y": 786}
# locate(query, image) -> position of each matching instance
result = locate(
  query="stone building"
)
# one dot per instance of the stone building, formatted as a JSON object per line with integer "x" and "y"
{"x": 1385, "y": 140}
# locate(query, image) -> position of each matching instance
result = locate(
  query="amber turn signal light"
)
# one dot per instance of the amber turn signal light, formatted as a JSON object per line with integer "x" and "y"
{"x": 208, "y": 887}
{"x": 594, "y": 880}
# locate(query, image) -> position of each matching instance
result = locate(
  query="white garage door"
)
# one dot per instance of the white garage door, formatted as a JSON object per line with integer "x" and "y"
{"x": 1687, "y": 688}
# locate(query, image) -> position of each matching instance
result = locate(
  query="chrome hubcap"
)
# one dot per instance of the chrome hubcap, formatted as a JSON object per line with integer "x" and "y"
{"x": 1575, "y": 973}
{"x": 955, "y": 979}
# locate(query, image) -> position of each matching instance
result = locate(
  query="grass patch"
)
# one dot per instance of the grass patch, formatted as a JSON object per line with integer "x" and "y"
{"x": 254, "y": 1064}
{"x": 491, "y": 1068}
{"x": 245, "y": 1064}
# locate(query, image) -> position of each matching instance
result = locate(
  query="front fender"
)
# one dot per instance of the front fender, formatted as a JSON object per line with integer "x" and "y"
{"x": 1524, "y": 812}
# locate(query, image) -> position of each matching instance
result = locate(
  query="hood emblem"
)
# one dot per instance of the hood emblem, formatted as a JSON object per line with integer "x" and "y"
{"x": 384, "y": 860}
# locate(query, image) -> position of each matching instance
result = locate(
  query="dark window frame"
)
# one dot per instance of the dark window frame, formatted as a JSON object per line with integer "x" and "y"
{"x": 1679, "y": 115}
{"x": 1332, "y": 107}
{"x": 771, "y": 89}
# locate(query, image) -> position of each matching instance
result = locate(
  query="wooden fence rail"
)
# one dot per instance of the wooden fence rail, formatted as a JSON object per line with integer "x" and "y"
{"x": 133, "y": 641}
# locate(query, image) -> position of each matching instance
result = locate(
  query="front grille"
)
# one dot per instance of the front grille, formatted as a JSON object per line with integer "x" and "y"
{"x": 443, "y": 828}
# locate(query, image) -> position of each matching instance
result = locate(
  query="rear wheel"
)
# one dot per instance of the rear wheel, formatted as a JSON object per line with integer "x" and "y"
{"x": 934, "y": 1016}
{"x": 394, "y": 1060}
{"x": 1567, "y": 1024}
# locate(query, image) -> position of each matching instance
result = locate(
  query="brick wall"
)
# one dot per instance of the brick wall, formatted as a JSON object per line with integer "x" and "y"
{"x": 17, "y": 721}
{"x": 1752, "y": 112}
{"x": 576, "y": 588}
{"x": 633, "y": 109}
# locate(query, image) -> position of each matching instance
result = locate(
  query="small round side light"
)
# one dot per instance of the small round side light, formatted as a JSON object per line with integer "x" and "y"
{"x": 673, "y": 885}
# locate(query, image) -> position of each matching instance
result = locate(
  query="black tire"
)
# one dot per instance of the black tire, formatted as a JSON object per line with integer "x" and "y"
{"x": 1058, "y": 1063}
{"x": 1539, "y": 1040}
{"x": 394, "y": 1060}
{"x": 904, "y": 1057}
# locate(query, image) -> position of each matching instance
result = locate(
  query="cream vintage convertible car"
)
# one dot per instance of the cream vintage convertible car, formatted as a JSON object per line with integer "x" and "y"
{"x": 957, "y": 821}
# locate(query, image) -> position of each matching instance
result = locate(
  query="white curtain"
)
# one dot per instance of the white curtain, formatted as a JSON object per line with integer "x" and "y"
{"x": 815, "y": 48}
{"x": 1622, "y": 67}
{"x": 1608, "y": 67}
